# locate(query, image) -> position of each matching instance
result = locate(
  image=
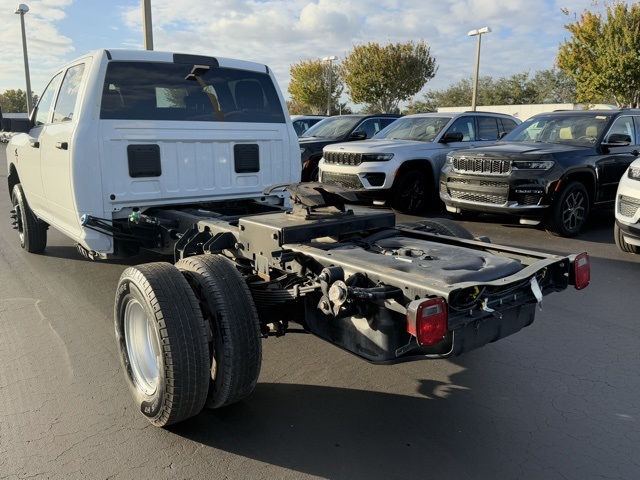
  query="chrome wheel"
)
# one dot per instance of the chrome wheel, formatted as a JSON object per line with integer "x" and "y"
{"x": 143, "y": 348}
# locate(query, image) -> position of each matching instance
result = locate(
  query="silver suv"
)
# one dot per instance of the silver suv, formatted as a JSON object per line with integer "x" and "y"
{"x": 401, "y": 164}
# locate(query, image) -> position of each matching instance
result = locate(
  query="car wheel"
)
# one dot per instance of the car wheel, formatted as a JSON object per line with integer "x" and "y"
{"x": 410, "y": 192}
{"x": 162, "y": 341}
{"x": 569, "y": 212}
{"x": 622, "y": 244}
{"x": 235, "y": 347}
{"x": 31, "y": 231}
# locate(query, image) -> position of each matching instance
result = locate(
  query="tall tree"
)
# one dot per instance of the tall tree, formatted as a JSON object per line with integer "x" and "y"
{"x": 14, "y": 101}
{"x": 383, "y": 76}
{"x": 309, "y": 85}
{"x": 602, "y": 54}
{"x": 553, "y": 86}
{"x": 546, "y": 86}
{"x": 458, "y": 95}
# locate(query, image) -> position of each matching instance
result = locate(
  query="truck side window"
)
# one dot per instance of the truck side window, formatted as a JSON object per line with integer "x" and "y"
{"x": 66, "y": 104}
{"x": 43, "y": 109}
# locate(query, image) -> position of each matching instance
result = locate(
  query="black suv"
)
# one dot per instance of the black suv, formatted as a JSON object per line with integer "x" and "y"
{"x": 341, "y": 128}
{"x": 554, "y": 168}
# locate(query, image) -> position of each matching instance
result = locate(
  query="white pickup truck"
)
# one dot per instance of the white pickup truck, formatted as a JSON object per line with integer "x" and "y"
{"x": 178, "y": 154}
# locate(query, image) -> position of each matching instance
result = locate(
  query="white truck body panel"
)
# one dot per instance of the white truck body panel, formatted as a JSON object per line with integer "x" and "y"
{"x": 81, "y": 164}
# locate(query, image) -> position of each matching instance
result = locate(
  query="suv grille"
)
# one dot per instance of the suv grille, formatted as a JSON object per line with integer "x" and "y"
{"x": 479, "y": 197}
{"x": 345, "y": 180}
{"x": 343, "y": 158}
{"x": 628, "y": 206}
{"x": 481, "y": 165}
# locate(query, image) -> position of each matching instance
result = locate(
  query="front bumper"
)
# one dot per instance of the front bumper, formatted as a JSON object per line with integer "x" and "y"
{"x": 630, "y": 232}
{"x": 520, "y": 193}
{"x": 371, "y": 180}
{"x": 628, "y": 210}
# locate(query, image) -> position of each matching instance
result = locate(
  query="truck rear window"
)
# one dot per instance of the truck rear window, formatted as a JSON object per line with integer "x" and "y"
{"x": 178, "y": 91}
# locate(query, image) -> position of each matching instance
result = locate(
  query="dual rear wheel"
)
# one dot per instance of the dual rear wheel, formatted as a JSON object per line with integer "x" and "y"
{"x": 188, "y": 336}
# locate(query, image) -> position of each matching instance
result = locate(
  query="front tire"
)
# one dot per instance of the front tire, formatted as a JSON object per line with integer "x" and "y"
{"x": 32, "y": 232}
{"x": 236, "y": 343}
{"x": 162, "y": 342}
{"x": 410, "y": 192}
{"x": 622, "y": 244}
{"x": 569, "y": 212}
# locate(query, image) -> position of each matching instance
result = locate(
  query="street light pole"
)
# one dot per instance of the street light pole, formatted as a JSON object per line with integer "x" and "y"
{"x": 21, "y": 10}
{"x": 477, "y": 33}
{"x": 146, "y": 24}
{"x": 329, "y": 59}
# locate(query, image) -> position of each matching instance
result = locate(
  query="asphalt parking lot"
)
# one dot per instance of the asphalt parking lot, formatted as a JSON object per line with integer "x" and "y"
{"x": 558, "y": 400}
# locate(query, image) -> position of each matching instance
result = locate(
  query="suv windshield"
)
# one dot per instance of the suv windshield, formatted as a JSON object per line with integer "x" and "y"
{"x": 167, "y": 91}
{"x": 570, "y": 129}
{"x": 333, "y": 128}
{"x": 423, "y": 129}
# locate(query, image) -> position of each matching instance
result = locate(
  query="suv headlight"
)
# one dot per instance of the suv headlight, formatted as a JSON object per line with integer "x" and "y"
{"x": 634, "y": 173}
{"x": 533, "y": 164}
{"x": 376, "y": 157}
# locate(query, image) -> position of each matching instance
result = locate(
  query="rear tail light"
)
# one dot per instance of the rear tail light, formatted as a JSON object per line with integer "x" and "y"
{"x": 427, "y": 320}
{"x": 581, "y": 271}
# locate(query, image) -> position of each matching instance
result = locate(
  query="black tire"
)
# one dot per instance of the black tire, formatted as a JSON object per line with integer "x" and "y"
{"x": 162, "y": 340}
{"x": 410, "y": 192}
{"x": 236, "y": 343}
{"x": 569, "y": 212}
{"x": 622, "y": 244}
{"x": 32, "y": 232}
{"x": 441, "y": 226}
{"x": 312, "y": 172}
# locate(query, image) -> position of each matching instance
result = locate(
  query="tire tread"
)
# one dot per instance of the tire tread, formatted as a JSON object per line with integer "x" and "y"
{"x": 228, "y": 297}
{"x": 183, "y": 339}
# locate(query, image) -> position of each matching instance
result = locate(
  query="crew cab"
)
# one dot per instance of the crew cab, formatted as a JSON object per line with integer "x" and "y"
{"x": 401, "y": 164}
{"x": 554, "y": 169}
{"x": 195, "y": 157}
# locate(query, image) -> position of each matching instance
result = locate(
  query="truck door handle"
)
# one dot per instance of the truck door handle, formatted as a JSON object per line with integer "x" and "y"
{"x": 62, "y": 145}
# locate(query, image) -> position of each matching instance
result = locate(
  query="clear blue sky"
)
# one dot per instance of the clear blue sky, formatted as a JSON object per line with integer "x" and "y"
{"x": 525, "y": 36}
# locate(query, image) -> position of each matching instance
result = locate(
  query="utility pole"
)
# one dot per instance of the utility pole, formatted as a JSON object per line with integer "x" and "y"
{"x": 146, "y": 24}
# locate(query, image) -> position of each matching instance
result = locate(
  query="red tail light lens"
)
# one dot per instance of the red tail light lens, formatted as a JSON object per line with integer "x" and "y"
{"x": 427, "y": 320}
{"x": 582, "y": 271}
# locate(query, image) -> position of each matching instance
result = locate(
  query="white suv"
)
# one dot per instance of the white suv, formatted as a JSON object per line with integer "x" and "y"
{"x": 627, "y": 227}
{"x": 401, "y": 164}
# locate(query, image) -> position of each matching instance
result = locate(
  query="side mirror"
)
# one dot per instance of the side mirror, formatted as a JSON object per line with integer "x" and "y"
{"x": 358, "y": 136}
{"x": 617, "y": 140}
{"x": 16, "y": 125}
{"x": 501, "y": 135}
{"x": 452, "y": 137}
